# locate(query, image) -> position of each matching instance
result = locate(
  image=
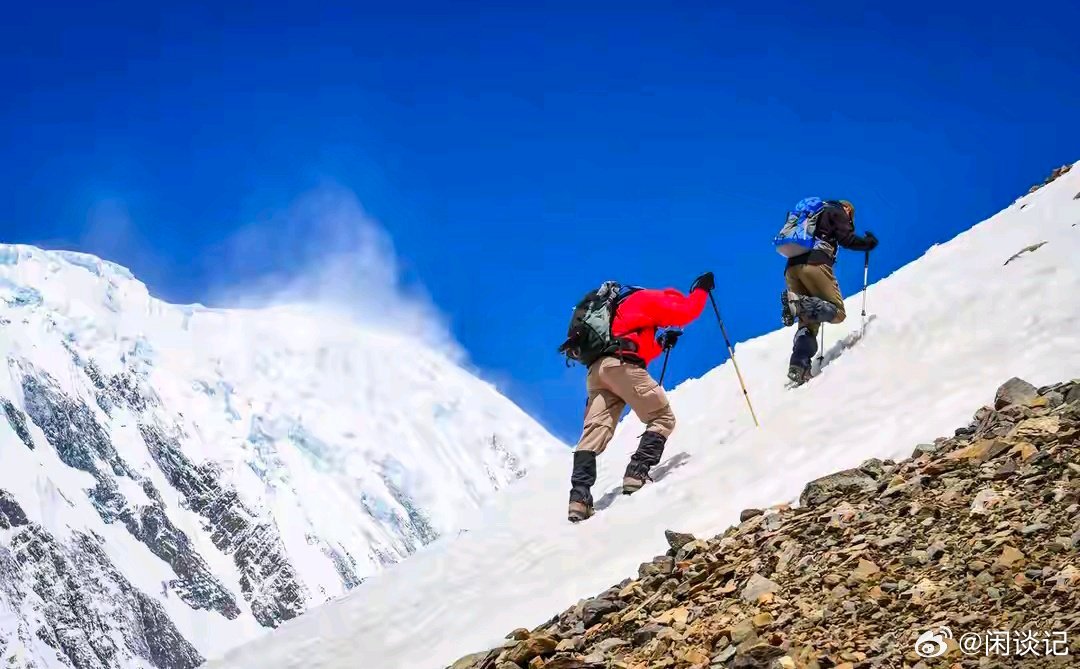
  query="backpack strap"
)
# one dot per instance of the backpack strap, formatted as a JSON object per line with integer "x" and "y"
{"x": 625, "y": 345}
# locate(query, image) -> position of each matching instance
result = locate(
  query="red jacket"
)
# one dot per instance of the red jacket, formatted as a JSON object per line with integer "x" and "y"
{"x": 641, "y": 313}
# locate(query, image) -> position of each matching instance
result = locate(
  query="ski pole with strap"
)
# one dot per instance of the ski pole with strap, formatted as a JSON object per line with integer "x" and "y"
{"x": 731, "y": 352}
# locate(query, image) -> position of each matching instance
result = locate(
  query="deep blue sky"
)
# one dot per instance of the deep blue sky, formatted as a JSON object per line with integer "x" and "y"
{"x": 520, "y": 156}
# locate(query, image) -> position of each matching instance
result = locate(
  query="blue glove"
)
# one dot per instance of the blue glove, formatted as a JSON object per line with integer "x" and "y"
{"x": 667, "y": 337}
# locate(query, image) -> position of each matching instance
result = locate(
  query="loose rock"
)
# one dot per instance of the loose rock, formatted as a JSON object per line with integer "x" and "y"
{"x": 1014, "y": 391}
{"x": 529, "y": 648}
{"x": 836, "y": 485}
{"x": 977, "y": 531}
{"x": 595, "y": 609}
{"x": 758, "y": 586}
{"x": 677, "y": 540}
{"x": 747, "y": 514}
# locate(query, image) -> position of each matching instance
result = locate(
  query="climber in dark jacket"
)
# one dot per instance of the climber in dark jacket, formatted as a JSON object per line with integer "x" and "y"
{"x": 813, "y": 294}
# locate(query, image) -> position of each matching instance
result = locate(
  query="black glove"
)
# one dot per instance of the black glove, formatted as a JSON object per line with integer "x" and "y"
{"x": 871, "y": 240}
{"x": 704, "y": 282}
{"x": 668, "y": 338}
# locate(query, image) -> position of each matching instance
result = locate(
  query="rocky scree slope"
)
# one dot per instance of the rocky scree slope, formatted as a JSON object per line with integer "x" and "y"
{"x": 178, "y": 480}
{"x": 977, "y": 532}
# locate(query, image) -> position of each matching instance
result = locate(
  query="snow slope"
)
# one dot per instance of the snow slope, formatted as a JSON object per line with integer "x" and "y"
{"x": 944, "y": 331}
{"x": 201, "y": 475}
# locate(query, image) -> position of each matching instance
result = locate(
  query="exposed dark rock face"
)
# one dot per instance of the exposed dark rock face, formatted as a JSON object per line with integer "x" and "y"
{"x": 88, "y": 607}
{"x": 94, "y": 617}
{"x": 11, "y": 514}
{"x": 417, "y": 524}
{"x": 269, "y": 582}
{"x": 123, "y": 387}
{"x": 195, "y": 584}
{"x": 82, "y": 443}
{"x": 95, "y": 376}
{"x": 344, "y": 563}
{"x": 70, "y": 427}
{"x": 413, "y": 527}
{"x": 117, "y": 390}
{"x": 17, "y": 419}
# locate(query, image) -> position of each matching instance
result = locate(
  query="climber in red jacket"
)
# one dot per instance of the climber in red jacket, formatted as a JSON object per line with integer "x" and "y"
{"x": 620, "y": 378}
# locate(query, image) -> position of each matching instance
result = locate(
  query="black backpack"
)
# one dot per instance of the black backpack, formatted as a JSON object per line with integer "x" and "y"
{"x": 589, "y": 337}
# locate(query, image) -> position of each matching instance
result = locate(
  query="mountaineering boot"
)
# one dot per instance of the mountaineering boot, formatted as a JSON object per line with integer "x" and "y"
{"x": 806, "y": 308}
{"x": 798, "y": 375}
{"x": 631, "y": 484}
{"x": 581, "y": 483}
{"x": 787, "y": 308}
{"x": 578, "y": 512}
{"x": 647, "y": 456}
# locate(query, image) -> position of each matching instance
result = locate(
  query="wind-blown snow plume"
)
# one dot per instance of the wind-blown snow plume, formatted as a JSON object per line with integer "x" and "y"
{"x": 325, "y": 255}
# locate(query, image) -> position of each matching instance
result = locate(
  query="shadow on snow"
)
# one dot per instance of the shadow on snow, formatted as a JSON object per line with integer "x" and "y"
{"x": 657, "y": 474}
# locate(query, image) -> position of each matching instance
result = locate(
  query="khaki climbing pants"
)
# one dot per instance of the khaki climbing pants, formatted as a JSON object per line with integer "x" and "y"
{"x": 816, "y": 281}
{"x": 611, "y": 385}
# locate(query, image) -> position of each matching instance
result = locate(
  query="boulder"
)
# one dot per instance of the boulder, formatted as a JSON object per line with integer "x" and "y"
{"x": 677, "y": 540}
{"x": 527, "y": 649}
{"x": 647, "y": 633}
{"x": 595, "y": 609}
{"x": 469, "y": 661}
{"x": 840, "y": 484}
{"x": 1014, "y": 391}
{"x": 572, "y": 644}
{"x": 757, "y": 586}
{"x": 874, "y": 467}
{"x": 747, "y": 514}
{"x": 1073, "y": 394}
{"x": 689, "y": 550}
{"x": 924, "y": 449}
{"x": 743, "y": 631}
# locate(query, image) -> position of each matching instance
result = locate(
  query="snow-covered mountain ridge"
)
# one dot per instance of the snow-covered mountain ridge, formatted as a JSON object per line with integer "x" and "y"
{"x": 996, "y": 301}
{"x": 178, "y": 479}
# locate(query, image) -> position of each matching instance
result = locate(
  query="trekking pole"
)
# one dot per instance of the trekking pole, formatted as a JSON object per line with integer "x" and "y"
{"x": 667, "y": 352}
{"x": 731, "y": 352}
{"x": 821, "y": 349}
{"x": 865, "y": 277}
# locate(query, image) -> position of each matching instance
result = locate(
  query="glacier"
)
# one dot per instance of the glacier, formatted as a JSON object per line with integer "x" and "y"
{"x": 941, "y": 334}
{"x": 179, "y": 479}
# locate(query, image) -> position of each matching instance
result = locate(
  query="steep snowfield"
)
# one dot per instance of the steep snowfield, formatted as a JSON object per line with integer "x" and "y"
{"x": 236, "y": 467}
{"x": 943, "y": 332}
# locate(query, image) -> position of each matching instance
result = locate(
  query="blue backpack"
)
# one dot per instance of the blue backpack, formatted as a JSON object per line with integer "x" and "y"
{"x": 797, "y": 235}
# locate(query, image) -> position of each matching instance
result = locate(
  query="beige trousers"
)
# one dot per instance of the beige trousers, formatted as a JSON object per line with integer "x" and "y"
{"x": 611, "y": 385}
{"x": 816, "y": 281}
